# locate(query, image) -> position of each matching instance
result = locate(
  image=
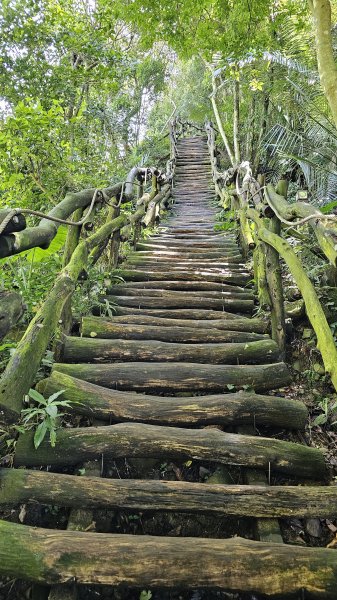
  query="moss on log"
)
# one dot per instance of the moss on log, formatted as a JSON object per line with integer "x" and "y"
{"x": 151, "y": 561}
{"x": 19, "y": 486}
{"x": 96, "y": 350}
{"x": 222, "y": 292}
{"x": 242, "y": 407}
{"x": 225, "y": 321}
{"x": 184, "y": 300}
{"x": 109, "y": 329}
{"x": 226, "y": 276}
{"x": 152, "y": 441}
{"x": 179, "y": 377}
{"x": 179, "y": 286}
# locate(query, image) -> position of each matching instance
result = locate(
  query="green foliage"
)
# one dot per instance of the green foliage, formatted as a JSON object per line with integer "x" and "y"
{"x": 145, "y": 595}
{"x": 44, "y": 417}
{"x": 32, "y": 275}
{"x": 328, "y": 407}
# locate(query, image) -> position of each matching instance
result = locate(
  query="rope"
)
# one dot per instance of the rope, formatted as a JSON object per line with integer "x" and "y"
{"x": 317, "y": 216}
{"x": 37, "y": 213}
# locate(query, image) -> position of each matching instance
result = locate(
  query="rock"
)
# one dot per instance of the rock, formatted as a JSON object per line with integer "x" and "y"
{"x": 313, "y": 527}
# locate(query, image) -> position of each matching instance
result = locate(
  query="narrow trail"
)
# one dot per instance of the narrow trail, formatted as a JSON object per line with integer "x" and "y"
{"x": 181, "y": 373}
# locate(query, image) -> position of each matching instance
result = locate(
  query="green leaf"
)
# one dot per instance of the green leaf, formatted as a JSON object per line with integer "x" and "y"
{"x": 35, "y": 395}
{"x": 40, "y": 433}
{"x": 54, "y": 396}
{"x": 51, "y": 410}
{"x": 320, "y": 420}
{"x": 145, "y": 595}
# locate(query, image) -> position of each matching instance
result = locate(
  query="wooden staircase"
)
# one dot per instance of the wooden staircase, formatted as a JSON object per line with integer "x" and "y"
{"x": 181, "y": 373}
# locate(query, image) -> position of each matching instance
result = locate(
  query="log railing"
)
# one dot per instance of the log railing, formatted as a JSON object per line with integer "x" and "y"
{"x": 265, "y": 220}
{"x": 53, "y": 315}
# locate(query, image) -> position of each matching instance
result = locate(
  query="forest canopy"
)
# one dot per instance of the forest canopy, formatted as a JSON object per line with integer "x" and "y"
{"x": 87, "y": 89}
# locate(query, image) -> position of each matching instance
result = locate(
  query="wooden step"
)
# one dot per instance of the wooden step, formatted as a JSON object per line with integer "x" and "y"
{"x": 25, "y": 485}
{"x": 180, "y": 286}
{"x": 240, "y": 279}
{"x": 171, "y": 378}
{"x": 236, "y": 304}
{"x": 96, "y": 350}
{"x": 153, "y": 441}
{"x": 239, "y": 408}
{"x": 151, "y": 561}
{"x": 93, "y": 327}
{"x": 187, "y": 318}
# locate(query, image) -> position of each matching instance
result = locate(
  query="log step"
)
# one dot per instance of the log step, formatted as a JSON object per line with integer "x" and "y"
{"x": 19, "y": 486}
{"x": 224, "y": 322}
{"x": 237, "y": 304}
{"x": 152, "y": 441}
{"x": 180, "y": 286}
{"x": 238, "y": 408}
{"x": 240, "y": 279}
{"x": 95, "y": 350}
{"x": 93, "y": 327}
{"x": 171, "y": 378}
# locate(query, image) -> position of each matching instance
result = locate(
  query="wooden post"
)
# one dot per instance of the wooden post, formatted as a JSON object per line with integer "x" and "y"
{"x": 274, "y": 280}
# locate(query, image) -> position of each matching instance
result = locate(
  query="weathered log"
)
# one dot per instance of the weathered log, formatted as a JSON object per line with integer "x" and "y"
{"x": 109, "y": 329}
{"x": 22, "y": 485}
{"x": 11, "y": 310}
{"x": 151, "y": 561}
{"x": 81, "y": 349}
{"x": 179, "y": 377}
{"x": 207, "y": 254}
{"x": 142, "y": 440}
{"x": 235, "y": 261}
{"x": 238, "y": 323}
{"x": 23, "y": 365}
{"x": 17, "y": 222}
{"x": 233, "y": 292}
{"x": 189, "y": 286}
{"x": 225, "y": 409}
{"x": 183, "y": 300}
{"x": 198, "y": 275}
{"x": 42, "y": 234}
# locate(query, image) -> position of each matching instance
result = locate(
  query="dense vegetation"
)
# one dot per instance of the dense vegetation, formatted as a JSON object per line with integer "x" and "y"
{"x": 87, "y": 90}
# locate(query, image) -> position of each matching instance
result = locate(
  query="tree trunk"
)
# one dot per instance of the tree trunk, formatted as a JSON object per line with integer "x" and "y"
{"x": 236, "y": 120}
{"x": 321, "y": 12}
